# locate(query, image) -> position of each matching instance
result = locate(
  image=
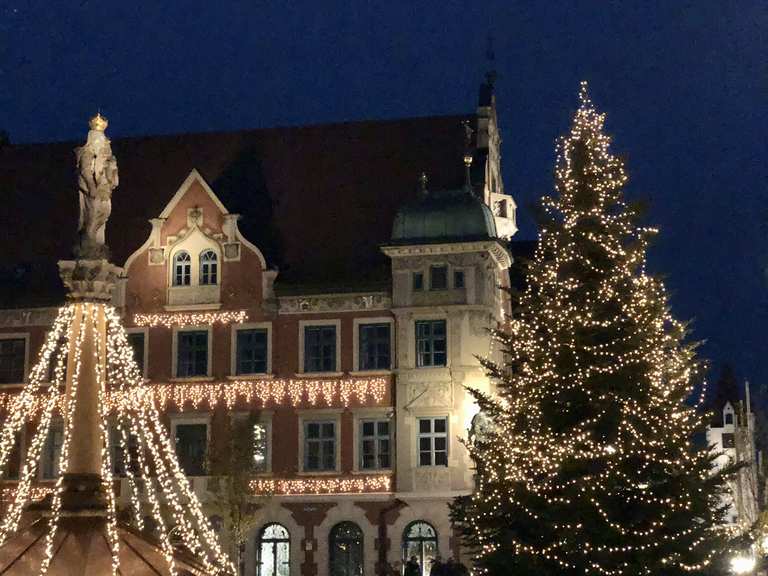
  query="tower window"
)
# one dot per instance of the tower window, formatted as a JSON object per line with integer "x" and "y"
{"x": 209, "y": 268}
{"x": 182, "y": 269}
{"x": 430, "y": 343}
{"x": 438, "y": 277}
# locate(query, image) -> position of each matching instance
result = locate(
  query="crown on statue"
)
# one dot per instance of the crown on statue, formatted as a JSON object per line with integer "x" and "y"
{"x": 98, "y": 122}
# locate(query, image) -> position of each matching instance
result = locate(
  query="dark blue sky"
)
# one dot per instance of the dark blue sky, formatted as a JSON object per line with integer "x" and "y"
{"x": 684, "y": 84}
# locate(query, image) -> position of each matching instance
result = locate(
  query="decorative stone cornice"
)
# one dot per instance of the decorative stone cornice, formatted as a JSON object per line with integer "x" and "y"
{"x": 27, "y": 317}
{"x": 334, "y": 303}
{"x": 499, "y": 253}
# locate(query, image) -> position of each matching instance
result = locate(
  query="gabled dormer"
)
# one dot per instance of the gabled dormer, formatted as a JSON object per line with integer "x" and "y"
{"x": 196, "y": 257}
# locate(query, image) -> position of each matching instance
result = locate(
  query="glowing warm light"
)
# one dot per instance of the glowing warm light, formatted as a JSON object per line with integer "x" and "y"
{"x": 182, "y": 319}
{"x": 743, "y": 564}
{"x": 193, "y": 395}
{"x": 345, "y": 485}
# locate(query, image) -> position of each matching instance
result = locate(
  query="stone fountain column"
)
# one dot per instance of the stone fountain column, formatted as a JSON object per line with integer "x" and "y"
{"x": 90, "y": 279}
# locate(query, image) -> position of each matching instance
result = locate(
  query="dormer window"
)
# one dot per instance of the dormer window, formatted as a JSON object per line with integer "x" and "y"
{"x": 208, "y": 268}
{"x": 728, "y": 418}
{"x": 182, "y": 269}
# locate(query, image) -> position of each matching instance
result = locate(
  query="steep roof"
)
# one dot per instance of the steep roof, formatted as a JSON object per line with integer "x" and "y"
{"x": 317, "y": 200}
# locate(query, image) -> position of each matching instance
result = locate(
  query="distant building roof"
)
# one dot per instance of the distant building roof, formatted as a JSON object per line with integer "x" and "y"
{"x": 317, "y": 200}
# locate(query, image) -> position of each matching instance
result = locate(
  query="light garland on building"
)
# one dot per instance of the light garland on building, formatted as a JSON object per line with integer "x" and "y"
{"x": 181, "y": 396}
{"x": 305, "y": 486}
{"x": 182, "y": 319}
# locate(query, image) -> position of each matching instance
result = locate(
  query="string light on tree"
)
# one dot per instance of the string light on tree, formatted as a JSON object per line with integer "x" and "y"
{"x": 588, "y": 466}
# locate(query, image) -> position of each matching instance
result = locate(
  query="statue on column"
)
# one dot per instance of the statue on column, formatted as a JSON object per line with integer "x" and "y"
{"x": 97, "y": 178}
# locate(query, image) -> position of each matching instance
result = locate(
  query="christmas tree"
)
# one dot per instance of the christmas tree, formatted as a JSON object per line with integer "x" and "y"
{"x": 589, "y": 464}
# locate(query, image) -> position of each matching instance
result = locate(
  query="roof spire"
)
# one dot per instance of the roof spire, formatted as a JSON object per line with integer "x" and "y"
{"x": 423, "y": 184}
{"x": 486, "y": 95}
{"x": 467, "y": 154}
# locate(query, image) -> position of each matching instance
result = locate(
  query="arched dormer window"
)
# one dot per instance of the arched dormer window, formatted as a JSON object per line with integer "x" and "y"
{"x": 182, "y": 269}
{"x": 209, "y": 268}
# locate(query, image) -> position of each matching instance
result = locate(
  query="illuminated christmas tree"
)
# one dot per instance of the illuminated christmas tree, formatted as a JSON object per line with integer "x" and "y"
{"x": 588, "y": 464}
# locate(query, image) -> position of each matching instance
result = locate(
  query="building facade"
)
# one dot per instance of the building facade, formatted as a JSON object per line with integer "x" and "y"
{"x": 733, "y": 437}
{"x": 349, "y": 392}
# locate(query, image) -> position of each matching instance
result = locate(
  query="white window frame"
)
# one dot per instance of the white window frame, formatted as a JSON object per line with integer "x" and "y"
{"x": 19, "y": 336}
{"x": 303, "y": 324}
{"x": 54, "y": 421}
{"x": 265, "y": 418}
{"x": 175, "y": 353}
{"x": 415, "y": 341}
{"x": 233, "y": 348}
{"x": 439, "y": 416}
{"x": 200, "y": 265}
{"x": 448, "y": 271}
{"x": 173, "y": 268}
{"x": 142, "y": 330}
{"x": 195, "y": 418}
{"x": 360, "y": 415}
{"x": 320, "y": 415}
{"x": 356, "y": 323}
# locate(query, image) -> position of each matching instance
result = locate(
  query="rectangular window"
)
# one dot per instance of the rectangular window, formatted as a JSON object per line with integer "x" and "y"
{"x": 458, "y": 279}
{"x": 52, "y": 451}
{"x": 729, "y": 440}
{"x": 374, "y": 347}
{"x": 418, "y": 281}
{"x": 136, "y": 341}
{"x": 251, "y": 351}
{"x": 192, "y": 447}
{"x": 260, "y": 447}
{"x": 192, "y": 354}
{"x": 12, "y": 354}
{"x": 375, "y": 445}
{"x": 438, "y": 278}
{"x": 433, "y": 441}
{"x": 430, "y": 343}
{"x": 320, "y": 349}
{"x": 319, "y": 446}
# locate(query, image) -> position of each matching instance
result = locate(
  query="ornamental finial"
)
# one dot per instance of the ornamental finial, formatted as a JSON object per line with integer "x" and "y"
{"x": 98, "y": 122}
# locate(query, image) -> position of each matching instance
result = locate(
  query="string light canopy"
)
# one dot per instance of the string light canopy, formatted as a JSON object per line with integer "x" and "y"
{"x": 85, "y": 358}
{"x": 588, "y": 464}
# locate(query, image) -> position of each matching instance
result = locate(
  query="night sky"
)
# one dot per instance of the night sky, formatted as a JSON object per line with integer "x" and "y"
{"x": 684, "y": 84}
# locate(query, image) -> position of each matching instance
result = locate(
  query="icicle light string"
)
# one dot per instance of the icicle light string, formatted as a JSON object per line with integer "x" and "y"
{"x": 24, "y": 401}
{"x": 182, "y": 319}
{"x": 185, "y": 396}
{"x": 145, "y": 423}
{"x": 84, "y": 321}
{"x": 29, "y": 469}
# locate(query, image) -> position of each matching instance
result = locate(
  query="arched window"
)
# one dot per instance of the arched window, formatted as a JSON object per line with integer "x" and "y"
{"x": 209, "y": 268}
{"x": 182, "y": 269}
{"x": 346, "y": 550}
{"x": 420, "y": 540}
{"x": 729, "y": 417}
{"x": 274, "y": 548}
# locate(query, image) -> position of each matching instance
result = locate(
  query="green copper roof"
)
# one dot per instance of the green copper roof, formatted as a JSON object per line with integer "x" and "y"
{"x": 450, "y": 215}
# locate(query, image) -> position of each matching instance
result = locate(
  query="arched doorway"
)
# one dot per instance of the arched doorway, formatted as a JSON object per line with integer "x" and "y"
{"x": 420, "y": 540}
{"x": 346, "y": 550}
{"x": 274, "y": 551}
